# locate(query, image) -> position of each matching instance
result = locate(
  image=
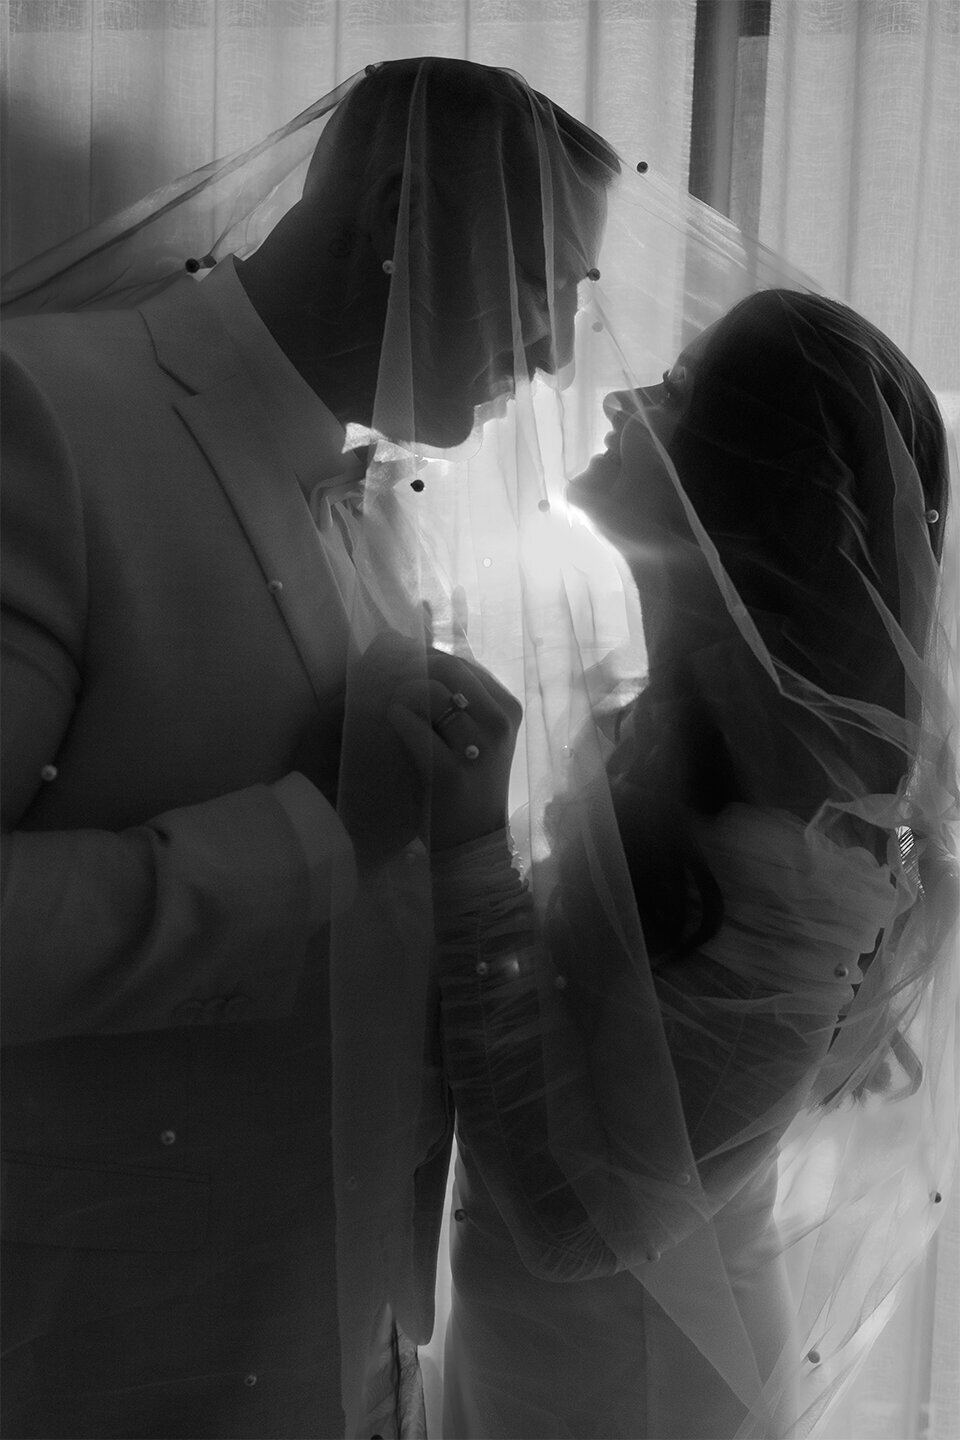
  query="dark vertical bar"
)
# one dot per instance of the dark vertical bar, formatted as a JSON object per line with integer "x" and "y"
{"x": 716, "y": 46}
{"x": 756, "y": 18}
{"x": 726, "y": 126}
{"x": 747, "y": 175}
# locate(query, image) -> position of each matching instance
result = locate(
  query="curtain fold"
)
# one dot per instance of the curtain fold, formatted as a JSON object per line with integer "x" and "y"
{"x": 860, "y": 187}
{"x": 944, "y": 1400}
{"x": 860, "y": 182}
{"x": 104, "y": 100}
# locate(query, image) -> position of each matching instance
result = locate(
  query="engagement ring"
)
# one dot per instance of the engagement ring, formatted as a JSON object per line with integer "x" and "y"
{"x": 458, "y": 702}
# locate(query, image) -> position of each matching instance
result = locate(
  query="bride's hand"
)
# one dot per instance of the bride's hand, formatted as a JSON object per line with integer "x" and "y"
{"x": 460, "y": 731}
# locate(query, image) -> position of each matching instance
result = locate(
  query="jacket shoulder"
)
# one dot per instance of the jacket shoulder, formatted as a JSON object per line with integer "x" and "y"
{"x": 64, "y": 354}
{"x": 27, "y": 335}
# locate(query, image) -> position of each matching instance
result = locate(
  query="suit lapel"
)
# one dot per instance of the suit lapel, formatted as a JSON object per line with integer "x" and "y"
{"x": 311, "y": 584}
{"x": 232, "y": 430}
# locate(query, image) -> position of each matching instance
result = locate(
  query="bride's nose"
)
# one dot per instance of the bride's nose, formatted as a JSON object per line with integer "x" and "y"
{"x": 619, "y": 405}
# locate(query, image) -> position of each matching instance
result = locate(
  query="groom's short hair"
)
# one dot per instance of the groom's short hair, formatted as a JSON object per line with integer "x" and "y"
{"x": 463, "y": 104}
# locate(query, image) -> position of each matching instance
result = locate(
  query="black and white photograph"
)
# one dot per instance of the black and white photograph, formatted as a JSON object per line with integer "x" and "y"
{"x": 480, "y": 716}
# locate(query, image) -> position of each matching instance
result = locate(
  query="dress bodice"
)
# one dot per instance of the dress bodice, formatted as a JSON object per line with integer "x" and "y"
{"x": 799, "y": 909}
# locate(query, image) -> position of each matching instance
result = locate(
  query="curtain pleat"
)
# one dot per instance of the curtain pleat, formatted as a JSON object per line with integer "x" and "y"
{"x": 861, "y": 182}
{"x": 107, "y": 99}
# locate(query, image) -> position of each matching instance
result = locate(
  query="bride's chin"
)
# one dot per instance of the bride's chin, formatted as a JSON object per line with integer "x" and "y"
{"x": 594, "y": 483}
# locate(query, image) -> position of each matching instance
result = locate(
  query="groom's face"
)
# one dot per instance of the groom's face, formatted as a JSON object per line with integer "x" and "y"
{"x": 498, "y": 316}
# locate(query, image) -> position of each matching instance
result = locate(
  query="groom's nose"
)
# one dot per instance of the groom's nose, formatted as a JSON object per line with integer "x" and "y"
{"x": 552, "y": 348}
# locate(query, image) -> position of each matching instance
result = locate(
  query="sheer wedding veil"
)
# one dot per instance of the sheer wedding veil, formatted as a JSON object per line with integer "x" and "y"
{"x": 780, "y": 563}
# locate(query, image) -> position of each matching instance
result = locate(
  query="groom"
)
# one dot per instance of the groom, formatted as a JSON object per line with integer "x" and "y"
{"x": 174, "y": 646}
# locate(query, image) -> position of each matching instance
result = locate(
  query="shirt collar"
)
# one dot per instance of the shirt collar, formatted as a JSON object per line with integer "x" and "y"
{"x": 309, "y": 435}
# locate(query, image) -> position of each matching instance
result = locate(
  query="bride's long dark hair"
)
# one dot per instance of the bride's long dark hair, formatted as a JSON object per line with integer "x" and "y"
{"x": 782, "y": 450}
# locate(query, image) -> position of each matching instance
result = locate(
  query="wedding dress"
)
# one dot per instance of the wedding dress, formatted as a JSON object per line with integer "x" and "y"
{"x": 549, "y": 1335}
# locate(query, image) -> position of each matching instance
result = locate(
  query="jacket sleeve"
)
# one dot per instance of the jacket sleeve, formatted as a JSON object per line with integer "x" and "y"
{"x": 202, "y": 914}
{"x": 740, "y": 1067}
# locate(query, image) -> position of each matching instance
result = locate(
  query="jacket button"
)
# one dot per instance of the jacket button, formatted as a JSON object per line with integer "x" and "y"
{"x": 459, "y": 1215}
{"x": 168, "y": 1137}
{"x": 250, "y": 1379}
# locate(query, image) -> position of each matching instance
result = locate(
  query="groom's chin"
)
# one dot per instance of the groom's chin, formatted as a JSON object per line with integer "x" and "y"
{"x": 446, "y": 427}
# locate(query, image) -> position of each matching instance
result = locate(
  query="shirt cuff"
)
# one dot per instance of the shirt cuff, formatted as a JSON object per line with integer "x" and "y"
{"x": 327, "y": 848}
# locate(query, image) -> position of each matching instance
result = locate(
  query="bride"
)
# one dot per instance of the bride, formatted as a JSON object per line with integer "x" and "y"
{"x": 626, "y": 1099}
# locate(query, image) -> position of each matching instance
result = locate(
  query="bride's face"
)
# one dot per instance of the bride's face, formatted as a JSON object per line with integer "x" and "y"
{"x": 627, "y": 490}
{"x": 630, "y": 493}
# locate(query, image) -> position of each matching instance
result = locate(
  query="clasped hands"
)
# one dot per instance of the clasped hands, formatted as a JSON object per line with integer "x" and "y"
{"x": 427, "y": 750}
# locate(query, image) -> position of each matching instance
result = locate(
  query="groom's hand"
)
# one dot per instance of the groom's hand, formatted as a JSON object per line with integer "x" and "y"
{"x": 460, "y": 732}
{"x": 381, "y": 796}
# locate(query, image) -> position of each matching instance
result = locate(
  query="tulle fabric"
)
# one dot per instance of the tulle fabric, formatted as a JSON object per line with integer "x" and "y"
{"x": 757, "y": 1131}
{"x": 827, "y": 1101}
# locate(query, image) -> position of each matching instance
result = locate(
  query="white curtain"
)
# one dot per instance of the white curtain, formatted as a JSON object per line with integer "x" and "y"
{"x": 860, "y": 187}
{"x": 107, "y": 99}
{"x": 846, "y": 153}
{"x": 861, "y": 182}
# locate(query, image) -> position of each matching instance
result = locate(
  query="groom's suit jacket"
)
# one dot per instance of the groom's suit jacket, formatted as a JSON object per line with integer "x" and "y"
{"x": 173, "y": 627}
